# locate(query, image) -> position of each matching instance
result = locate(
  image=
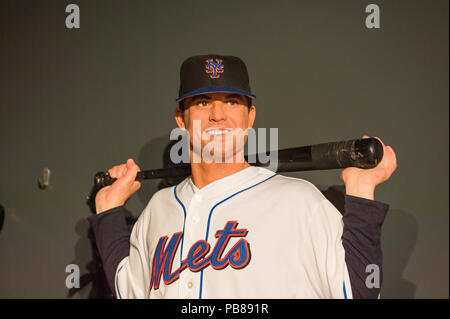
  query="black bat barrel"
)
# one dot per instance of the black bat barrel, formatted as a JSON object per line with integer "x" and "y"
{"x": 361, "y": 153}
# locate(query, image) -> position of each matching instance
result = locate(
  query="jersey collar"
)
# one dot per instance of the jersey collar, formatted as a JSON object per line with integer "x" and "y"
{"x": 222, "y": 187}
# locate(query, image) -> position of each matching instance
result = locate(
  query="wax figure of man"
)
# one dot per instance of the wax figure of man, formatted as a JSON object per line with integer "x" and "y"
{"x": 233, "y": 230}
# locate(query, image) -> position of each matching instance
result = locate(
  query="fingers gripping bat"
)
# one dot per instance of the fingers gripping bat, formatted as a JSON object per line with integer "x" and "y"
{"x": 362, "y": 153}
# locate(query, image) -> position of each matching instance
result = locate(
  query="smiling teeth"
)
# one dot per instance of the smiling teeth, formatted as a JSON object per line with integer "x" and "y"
{"x": 218, "y": 132}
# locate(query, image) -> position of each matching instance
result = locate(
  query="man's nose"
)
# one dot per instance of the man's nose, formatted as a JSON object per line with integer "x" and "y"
{"x": 217, "y": 111}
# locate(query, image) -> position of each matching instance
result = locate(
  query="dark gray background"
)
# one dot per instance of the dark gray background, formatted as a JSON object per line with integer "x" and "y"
{"x": 81, "y": 100}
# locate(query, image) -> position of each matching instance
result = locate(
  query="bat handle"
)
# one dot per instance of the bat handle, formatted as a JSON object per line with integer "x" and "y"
{"x": 102, "y": 179}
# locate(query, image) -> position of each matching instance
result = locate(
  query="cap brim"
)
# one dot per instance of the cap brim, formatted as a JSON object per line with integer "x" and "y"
{"x": 215, "y": 89}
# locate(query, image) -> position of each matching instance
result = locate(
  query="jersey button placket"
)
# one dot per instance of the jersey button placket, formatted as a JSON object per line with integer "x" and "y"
{"x": 198, "y": 197}
{"x": 194, "y": 231}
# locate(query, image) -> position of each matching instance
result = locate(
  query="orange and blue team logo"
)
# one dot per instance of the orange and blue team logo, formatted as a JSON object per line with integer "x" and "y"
{"x": 214, "y": 69}
{"x": 198, "y": 258}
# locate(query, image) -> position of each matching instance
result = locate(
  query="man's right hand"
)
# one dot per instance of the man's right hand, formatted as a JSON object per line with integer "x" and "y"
{"x": 118, "y": 193}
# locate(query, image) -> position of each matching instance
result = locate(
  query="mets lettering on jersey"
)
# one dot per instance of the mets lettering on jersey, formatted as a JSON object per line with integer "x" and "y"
{"x": 237, "y": 257}
{"x": 253, "y": 234}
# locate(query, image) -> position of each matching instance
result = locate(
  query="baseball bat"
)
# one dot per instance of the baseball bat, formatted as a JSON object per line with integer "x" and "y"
{"x": 362, "y": 153}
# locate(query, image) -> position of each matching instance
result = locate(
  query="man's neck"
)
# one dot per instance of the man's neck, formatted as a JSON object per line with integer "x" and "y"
{"x": 206, "y": 173}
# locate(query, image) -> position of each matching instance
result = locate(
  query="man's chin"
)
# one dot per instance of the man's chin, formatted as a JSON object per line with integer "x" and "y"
{"x": 222, "y": 157}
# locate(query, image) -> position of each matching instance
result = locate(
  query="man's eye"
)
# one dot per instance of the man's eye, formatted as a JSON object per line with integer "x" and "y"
{"x": 232, "y": 102}
{"x": 202, "y": 103}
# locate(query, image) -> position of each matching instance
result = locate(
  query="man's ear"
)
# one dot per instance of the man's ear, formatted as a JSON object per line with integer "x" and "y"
{"x": 251, "y": 116}
{"x": 179, "y": 117}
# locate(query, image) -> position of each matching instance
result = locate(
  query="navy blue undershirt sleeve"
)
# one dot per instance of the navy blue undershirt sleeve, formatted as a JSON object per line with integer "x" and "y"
{"x": 361, "y": 239}
{"x": 112, "y": 237}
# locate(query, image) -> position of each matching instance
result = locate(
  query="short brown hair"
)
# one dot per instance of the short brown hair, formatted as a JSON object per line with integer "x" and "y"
{"x": 249, "y": 103}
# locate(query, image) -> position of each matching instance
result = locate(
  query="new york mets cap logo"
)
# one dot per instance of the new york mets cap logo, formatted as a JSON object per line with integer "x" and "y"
{"x": 214, "y": 69}
{"x": 213, "y": 73}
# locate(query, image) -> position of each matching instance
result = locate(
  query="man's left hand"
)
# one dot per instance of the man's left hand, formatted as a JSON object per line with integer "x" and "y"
{"x": 362, "y": 182}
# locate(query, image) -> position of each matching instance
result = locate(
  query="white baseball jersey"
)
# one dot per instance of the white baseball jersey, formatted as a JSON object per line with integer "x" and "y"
{"x": 253, "y": 234}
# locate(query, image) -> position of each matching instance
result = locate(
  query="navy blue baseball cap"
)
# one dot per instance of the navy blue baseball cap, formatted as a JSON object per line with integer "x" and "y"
{"x": 213, "y": 73}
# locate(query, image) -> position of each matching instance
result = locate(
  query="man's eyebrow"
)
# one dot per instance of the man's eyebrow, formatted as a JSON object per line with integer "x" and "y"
{"x": 201, "y": 96}
{"x": 234, "y": 96}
